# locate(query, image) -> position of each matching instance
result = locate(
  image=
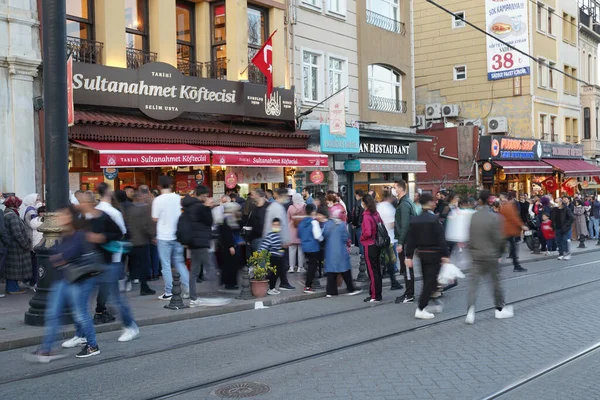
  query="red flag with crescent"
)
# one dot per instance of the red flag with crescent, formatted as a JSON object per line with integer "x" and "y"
{"x": 264, "y": 62}
{"x": 550, "y": 185}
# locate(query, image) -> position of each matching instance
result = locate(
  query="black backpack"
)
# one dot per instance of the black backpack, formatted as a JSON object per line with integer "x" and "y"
{"x": 185, "y": 229}
{"x": 382, "y": 239}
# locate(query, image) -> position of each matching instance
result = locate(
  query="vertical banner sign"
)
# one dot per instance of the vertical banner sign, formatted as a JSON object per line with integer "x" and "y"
{"x": 507, "y": 21}
{"x": 70, "y": 108}
{"x": 337, "y": 114}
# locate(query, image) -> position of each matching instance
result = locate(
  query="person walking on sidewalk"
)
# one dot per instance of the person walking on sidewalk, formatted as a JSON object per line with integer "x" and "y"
{"x": 486, "y": 245}
{"x": 595, "y": 216}
{"x": 3, "y": 240}
{"x": 372, "y": 253}
{"x": 388, "y": 214}
{"x": 166, "y": 210}
{"x": 513, "y": 226}
{"x": 404, "y": 212}
{"x": 311, "y": 235}
{"x": 256, "y": 219}
{"x": 357, "y": 219}
{"x": 142, "y": 231}
{"x": 276, "y": 210}
{"x": 562, "y": 220}
{"x": 295, "y": 213}
{"x": 580, "y": 219}
{"x": 426, "y": 234}
{"x": 229, "y": 245}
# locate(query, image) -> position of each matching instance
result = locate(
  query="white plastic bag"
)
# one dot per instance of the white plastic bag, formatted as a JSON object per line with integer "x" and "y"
{"x": 449, "y": 273}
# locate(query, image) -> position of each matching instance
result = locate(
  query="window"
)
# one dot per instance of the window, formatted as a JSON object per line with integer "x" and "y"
{"x": 543, "y": 118}
{"x": 573, "y": 81}
{"x": 575, "y": 137}
{"x": 551, "y": 75}
{"x": 587, "y": 131}
{"x": 385, "y": 14}
{"x": 336, "y": 74}
{"x": 460, "y": 72}
{"x": 458, "y": 22}
{"x": 136, "y": 24}
{"x": 186, "y": 54}
{"x": 337, "y": 7}
{"x": 257, "y": 34}
{"x": 574, "y": 32}
{"x": 552, "y": 128}
{"x": 568, "y": 129}
{"x": 566, "y": 27}
{"x": 541, "y": 69}
{"x": 218, "y": 66}
{"x": 385, "y": 89}
{"x": 541, "y": 17}
{"x": 80, "y": 19}
{"x": 566, "y": 79}
{"x": 313, "y": 3}
{"x": 550, "y": 28}
{"x": 590, "y": 69}
{"x": 312, "y": 80}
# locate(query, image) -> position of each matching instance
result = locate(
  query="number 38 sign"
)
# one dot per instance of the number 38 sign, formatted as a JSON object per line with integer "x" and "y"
{"x": 506, "y": 20}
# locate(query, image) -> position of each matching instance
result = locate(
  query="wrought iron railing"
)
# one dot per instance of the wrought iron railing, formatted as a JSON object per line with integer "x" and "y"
{"x": 190, "y": 68}
{"x": 255, "y": 76}
{"x": 386, "y": 104}
{"x": 386, "y": 23}
{"x": 84, "y": 51}
{"x": 136, "y": 57}
{"x": 216, "y": 69}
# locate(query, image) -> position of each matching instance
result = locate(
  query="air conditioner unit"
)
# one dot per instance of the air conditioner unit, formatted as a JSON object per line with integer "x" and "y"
{"x": 433, "y": 111}
{"x": 497, "y": 125}
{"x": 420, "y": 122}
{"x": 476, "y": 122}
{"x": 429, "y": 123}
{"x": 450, "y": 110}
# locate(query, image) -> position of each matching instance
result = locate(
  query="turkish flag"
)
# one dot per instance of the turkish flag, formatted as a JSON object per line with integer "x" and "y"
{"x": 550, "y": 184}
{"x": 264, "y": 62}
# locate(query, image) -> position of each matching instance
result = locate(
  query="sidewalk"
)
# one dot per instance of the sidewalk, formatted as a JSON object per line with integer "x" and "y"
{"x": 148, "y": 310}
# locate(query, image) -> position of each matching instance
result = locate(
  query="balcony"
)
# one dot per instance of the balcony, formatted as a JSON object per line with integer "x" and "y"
{"x": 386, "y": 23}
{"x": 136, "y": 58}
{"x": 216, "y": 69}
{"x": 84, "y": 51}
{"x": 190, "y": 68}
{"x": 255, "y": 76}
{"x": 387, "y": 105}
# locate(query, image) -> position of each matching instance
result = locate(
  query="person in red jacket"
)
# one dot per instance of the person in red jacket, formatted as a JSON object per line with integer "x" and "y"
{"x": 367, "y": 238}
{"x": 548, "y": 232}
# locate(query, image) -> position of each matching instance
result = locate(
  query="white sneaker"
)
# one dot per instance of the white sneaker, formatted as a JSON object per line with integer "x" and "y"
{"x": 470, "y": 316}
{"x": 301, "y": 271}
{"x": 291, "y": 270}
{"x": 560, "y": 257}
{"x": 436, "y": 308}
{"x": 128, "y": 286}
{"x": 507, "y": 312}
{"x": 358, "y": 291}
{"x": 136, "y": 281}
{"x": 567, "y": 257}
{"x": 423, "y": 314}
{"x": 75, "y": 341}
{"x": 273, "y": 292}
{"x": 129, "y": 334}
{"x": 122, "y": 285}
{"x": 2, "y": 295}
{"x": 165, "y": 296}
{"x": 185, "y": 295}
{"x": 195, "y": 303}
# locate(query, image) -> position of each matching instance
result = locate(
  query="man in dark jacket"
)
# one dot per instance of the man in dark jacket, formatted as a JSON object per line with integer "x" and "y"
{"x": 562, "y": 221}
{"x": 142, "y": 230}
{"x": 202, "y": 222}
{"x": 357, "y": 218}
{"x": 426, "y": 234}
{"x": 256, "y": 219}
{"x": 404, "y": 212}
{"x": 595, "y": 217}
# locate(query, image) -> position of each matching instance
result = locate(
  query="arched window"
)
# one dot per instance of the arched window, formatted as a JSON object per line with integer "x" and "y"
{"x": 385, "y": 89}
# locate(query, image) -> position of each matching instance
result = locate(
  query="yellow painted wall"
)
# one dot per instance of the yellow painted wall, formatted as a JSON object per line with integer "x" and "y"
{"x": 110, "y": 30}
{"x": 163, "y": 30}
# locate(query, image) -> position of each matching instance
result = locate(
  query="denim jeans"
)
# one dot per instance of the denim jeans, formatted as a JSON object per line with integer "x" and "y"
{"x": 172, "y": 250}
{"x": 154, "y": 263}
{"x": 550, "y": 245}
{"x": 357, "y": 235}
{"x": 561, "y": 241}
{"x": 595, "y": 222}
{"x": 12, "y": 285}
{"x": 110, "y": 279}
{"x": 80, "y": 300}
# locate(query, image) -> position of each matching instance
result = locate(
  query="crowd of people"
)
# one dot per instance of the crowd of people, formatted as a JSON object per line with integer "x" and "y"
{"x": 139, "y": 235}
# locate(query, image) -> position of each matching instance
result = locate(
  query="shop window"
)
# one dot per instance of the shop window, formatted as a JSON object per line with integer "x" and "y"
{"x": 257, "y": 34}
{"x": 78, "y": 159}
{"x": 385, "y": 89}
{"x": 136, "y": 24}
{"x": 218, "y": 67}
{"x": 312, "y": 76}
{"x": 587, "y": 134}
{"x": 80, "y": 22}
{"x": 186, "y": 38}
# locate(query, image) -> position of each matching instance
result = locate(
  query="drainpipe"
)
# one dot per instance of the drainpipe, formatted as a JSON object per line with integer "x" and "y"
{"x": 442, "y": 149}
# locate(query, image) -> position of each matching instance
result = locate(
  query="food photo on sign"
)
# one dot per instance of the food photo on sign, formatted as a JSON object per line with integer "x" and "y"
{"x": 231, "y": 180}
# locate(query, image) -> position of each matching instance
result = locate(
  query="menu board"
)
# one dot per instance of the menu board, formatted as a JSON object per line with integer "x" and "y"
{"x": 185, "y": 183}
{"x": 91, "y": 181}
{"x": 258, "y": 174}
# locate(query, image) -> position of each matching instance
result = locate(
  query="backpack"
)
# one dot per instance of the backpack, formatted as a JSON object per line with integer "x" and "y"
{"x": 185, "y": 229}
{"x": 382, "y": 239}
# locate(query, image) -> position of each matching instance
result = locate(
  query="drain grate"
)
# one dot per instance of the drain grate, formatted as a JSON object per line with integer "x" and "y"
{"x": 241, "y": 390}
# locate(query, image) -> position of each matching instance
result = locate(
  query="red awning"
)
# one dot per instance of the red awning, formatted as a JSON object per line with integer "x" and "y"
{"x": 574, "y": 167}
{"x": 257, "y": 157}
{"x": 524, "y": 167}
{"x": 123, "y": 155}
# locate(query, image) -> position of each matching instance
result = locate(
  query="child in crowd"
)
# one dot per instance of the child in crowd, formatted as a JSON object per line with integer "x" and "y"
{"x": 310, "y": 234}
{"x": 274, "y": 245}
{"x": 548, "y": 232}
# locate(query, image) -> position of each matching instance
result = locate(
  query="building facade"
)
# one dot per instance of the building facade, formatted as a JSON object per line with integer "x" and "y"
{"x": 20, "y": 161}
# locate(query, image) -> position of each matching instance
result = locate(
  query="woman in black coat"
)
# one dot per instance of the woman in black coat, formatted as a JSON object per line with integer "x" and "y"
{"x": 229, "y": 245}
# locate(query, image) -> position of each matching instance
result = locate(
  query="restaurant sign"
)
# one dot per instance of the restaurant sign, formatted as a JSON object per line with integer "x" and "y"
{"x": 161, "y": 92}
{"x": 385, "y": 148}
{"x": 509, "y": 148}
{"x": 562, "y": 150}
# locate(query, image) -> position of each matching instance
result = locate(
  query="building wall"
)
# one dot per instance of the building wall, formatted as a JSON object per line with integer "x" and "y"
{"x": 318, "y": 30}
{"x": 19, "y": 61}
{"x": 590, "y": 93}
{"x": 379, "y": 46}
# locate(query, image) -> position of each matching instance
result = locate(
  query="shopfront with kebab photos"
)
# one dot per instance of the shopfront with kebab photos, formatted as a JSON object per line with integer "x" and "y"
{"x": 131, "y": 126}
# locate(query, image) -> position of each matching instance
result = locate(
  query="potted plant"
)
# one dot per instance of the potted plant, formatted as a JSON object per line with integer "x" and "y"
{"x": 261, "y": 267}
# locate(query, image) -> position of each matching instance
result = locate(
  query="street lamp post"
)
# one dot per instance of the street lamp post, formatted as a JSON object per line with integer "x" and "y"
{"x": 56, "y": 149}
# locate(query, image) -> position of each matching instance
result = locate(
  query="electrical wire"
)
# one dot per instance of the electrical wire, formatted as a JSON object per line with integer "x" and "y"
{"x": 458, "y": 17}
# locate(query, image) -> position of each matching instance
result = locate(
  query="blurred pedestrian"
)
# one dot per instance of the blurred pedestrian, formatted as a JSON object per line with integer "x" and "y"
{"x": 229, "y": 242}
{"x": 334, "y": 205}
{"x": 387, "y": 212}
{"x": 295, "y": 213}
{"x": 17, "y": 263}
{"x": 311, "y": 236}
{"x": 549, "y": 234}
{"x": 487, "y": 245}
{"x": 513, "y": 226}
{"x": 580, "y": 219}
{"x": 562, "y": 221}
{"x": 356, "y": 218}
{"x": 426, "y": 235}
{"x": 372, "y": 253}
{"x": 29, "y": 212}
{"x": 273, "y": 244}
{"x": 404, "y": 212}
{"x": 307, "y": 196}
{"x": 277, "y": 210}
{"x": 595, "y": 216}
{"x": 142, "y": 231}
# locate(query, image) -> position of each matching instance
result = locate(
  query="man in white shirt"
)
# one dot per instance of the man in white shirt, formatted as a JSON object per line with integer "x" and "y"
{"x": 166, "y": 210}
{"x": 387, "y": 211}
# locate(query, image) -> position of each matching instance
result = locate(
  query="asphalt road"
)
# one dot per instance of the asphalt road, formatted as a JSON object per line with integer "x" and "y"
{"x": 340, "y": 348}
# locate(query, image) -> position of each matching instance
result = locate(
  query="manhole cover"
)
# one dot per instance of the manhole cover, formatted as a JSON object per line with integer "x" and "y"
{"x": 241, "y": 390}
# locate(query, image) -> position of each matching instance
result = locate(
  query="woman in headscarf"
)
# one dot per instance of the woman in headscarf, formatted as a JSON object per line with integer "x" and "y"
{"x": 295, "y": 213}
{"x": 17, "y": 265}
{"x": 229, "y": 242}
{"x": 30, "y": 214}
